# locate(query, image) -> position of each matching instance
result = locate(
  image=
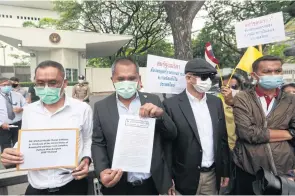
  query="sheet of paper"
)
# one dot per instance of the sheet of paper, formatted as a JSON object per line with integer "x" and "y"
{"x": 134, "y": 144}
{"x": 44, "y": 149}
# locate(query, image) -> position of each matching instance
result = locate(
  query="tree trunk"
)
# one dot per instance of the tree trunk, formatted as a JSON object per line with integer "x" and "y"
{"x": 180, "y": 16}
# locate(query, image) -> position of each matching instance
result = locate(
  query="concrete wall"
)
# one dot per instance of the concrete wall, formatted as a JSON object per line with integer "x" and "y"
{"x": 14, "y": 16}
{"x": 100, "y": 79}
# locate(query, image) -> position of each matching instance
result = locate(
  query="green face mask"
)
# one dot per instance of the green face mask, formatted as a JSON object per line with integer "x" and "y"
{"x": 48, "y": 95}
{"x": 126, "y": 89}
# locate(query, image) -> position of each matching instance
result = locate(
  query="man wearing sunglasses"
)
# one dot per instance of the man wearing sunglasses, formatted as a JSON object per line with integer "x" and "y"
{"x": 200, "y": 151}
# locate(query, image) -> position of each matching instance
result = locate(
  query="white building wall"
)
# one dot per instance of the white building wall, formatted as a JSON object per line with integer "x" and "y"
{"x": 14, "y": 16}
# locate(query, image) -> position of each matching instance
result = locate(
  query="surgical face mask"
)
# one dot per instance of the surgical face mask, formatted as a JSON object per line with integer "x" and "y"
{"x": 80, "y": 81}
{"x": 270, "y": 82}
{"x": 126, "y": 89}
{"x": 203, "y": 86}
{"x": 6, "y": 89}
{"x": 48, "y": 95}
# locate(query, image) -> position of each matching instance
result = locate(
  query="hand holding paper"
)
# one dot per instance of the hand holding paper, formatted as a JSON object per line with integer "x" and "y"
{"x": 150, "y": 110}
{"x": 11, "y": 156}
{"x": 134, "y": 144}
{"x": 82, "y": 170}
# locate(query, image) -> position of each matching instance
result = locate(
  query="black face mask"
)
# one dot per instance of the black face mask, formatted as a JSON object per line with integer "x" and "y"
{"x": 14, "y": 85}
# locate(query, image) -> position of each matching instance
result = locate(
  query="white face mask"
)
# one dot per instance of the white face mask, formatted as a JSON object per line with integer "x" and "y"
{"x": 234, "y": 92}
{"x": 80, "y": 81}
{"x": 203, "y": 86}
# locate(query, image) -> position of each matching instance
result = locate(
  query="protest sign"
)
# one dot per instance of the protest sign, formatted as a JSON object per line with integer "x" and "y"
{"x": 165, "y": 75}
{"x": 48, "y": 148}
{"x": 262, "y": 30}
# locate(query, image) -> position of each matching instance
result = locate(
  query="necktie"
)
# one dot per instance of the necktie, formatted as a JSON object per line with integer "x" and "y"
{"x": 9, "y": 108}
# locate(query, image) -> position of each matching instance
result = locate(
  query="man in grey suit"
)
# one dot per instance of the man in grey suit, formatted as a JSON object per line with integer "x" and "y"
{"x": 200, "y": 153}
{"x": 127, "y": 100}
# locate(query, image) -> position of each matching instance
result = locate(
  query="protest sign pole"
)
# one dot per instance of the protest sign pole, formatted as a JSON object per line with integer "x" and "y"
{"x": 260, "y": 48}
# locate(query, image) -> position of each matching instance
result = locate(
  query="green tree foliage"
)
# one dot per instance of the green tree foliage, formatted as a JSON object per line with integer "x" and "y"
{"x": 144, "y": 20}
{"x": 21, "y": 60}
{"x": 42, "y": 23}
{"x": 162, "y": 48}
{"x": 219, "y": 27}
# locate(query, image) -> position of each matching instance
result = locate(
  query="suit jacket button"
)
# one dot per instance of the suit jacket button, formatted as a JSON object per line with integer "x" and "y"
{"x": 201, "y": 151}
{"x": 199, "y": 167}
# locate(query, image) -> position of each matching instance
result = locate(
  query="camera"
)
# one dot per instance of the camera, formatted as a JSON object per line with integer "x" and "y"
{"x": 268, "y": 184}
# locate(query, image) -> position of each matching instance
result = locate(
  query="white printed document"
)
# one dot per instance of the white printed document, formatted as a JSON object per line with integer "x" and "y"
{"x": 48, "y": 148}
{"x": 134, "y": 144}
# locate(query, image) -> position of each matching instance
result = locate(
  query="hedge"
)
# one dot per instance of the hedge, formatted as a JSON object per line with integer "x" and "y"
{"x": 28, "y": 84}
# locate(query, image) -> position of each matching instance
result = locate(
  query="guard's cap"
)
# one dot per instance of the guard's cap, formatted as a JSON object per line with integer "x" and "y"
{"x": 81, "y": 77}
{"x": 199, "y": 66}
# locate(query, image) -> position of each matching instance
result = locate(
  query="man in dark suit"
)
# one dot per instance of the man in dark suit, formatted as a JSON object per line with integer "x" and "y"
{"x": 127, "y": 100}
{"x": 200, "y": 153}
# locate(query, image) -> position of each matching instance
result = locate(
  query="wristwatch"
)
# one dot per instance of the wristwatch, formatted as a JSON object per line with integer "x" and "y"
{"x": 292, "y": 132}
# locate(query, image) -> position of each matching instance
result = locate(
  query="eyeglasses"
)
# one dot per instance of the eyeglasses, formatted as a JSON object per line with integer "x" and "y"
{"x": 205, "y": 76}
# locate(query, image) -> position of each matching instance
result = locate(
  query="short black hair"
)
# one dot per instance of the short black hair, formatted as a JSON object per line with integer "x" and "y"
{"x": 288, "y": 85}
{"x": 124, "y": 60}
{"x": 226, "y": 77}
{"x": 15, "y": 79}
{"x": 256, "y": 63}
{"x": 54, "y": 64}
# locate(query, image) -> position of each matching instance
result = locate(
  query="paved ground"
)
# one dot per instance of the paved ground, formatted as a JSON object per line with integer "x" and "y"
{"x": 19, "y": 189}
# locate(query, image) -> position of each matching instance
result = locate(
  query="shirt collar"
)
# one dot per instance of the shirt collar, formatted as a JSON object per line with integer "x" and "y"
{"x": 66, "y": 104}
{"x": 192, "y": 98}
{"x": 260, "y": 93}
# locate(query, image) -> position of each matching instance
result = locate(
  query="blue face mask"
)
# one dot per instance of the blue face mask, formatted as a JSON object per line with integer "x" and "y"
{"x": 6, "y": 89}
{"x": 270, "y": 82}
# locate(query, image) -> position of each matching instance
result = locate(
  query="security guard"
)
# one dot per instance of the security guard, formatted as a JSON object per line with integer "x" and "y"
{"x": 81, "y": 90}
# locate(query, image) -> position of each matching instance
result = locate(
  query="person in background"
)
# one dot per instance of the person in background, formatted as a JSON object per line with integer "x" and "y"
{"x": 55, "y": 110}
{"x": 229, "y": 89}
{"x": 11, "y": 109}
{"x": 81, "y": 91}
{"x": 265, "y": 123}
{"x": 227, "y": 96}
{"x": 200, "y": 152}
{"x": 17, "y": 88}
{"x": 32, "y": 97}
{"x": 289, "y": 88}
{"x": 128, "y": 101}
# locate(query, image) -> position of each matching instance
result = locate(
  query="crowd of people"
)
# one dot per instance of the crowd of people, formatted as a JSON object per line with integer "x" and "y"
{"x": 202, "y": 144}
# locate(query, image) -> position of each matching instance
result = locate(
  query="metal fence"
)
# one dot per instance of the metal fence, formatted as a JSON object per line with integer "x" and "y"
{"x": 23, "y": 73}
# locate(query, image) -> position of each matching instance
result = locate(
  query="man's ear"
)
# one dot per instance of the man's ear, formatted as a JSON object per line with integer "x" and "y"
{"x": 254, "y": 76}
{"x": 65, "y": 83}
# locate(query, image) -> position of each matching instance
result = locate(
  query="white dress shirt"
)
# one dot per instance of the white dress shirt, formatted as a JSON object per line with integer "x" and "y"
{"x": 205, "y": 128}
{"x": 132, "y": 110}
{"x": 74, "y": 114}
{"x": 17, "y": 100}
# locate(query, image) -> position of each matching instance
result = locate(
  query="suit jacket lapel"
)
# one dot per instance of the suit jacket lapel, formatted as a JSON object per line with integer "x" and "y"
{"x": 188, "y": 113}
{"x": 143, "y": 98}
{"x": 214, "y": 118}
{"x": 113, "y": 110}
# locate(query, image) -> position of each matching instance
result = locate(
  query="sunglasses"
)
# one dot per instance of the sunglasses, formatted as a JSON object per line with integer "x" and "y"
{"x": 235, "y": 87}
{"x": 205, "y": 76}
